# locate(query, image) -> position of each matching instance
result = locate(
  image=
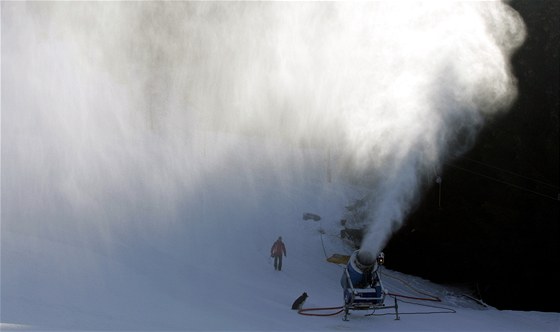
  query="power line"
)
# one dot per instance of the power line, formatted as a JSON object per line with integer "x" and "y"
{"x": 504, "y": 182}
{"x": 510, "y": 172}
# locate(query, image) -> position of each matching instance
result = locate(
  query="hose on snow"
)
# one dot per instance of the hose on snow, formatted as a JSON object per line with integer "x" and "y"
{"x": 444, "y": 310}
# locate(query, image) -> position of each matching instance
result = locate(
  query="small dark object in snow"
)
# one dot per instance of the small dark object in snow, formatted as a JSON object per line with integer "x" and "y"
{"x": 298, "y": 303}
{"x": 312, "y": 216}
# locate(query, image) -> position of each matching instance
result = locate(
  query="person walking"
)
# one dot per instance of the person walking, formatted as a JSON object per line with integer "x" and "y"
{"x": 278, "y": 248}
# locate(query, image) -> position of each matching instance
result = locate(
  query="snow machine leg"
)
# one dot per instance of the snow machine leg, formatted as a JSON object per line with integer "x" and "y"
{"x": 348, "y": 299}
{"x": 346, "y": 313}
{"x": 397, "y": 309}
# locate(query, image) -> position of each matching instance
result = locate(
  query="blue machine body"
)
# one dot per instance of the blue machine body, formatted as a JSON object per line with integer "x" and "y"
{"x": 355, "y": 273}
{"x": 353, "y": 277}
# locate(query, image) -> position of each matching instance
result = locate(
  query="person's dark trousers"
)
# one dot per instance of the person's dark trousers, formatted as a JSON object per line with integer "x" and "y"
{"x": 278, "y": 263}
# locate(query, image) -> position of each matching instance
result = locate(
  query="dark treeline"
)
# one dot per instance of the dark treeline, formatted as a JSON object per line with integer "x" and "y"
{"x": 493, "y": 223}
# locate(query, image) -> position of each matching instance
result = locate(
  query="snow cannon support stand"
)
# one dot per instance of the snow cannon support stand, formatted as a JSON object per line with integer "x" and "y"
{"x": 362, "y": 286}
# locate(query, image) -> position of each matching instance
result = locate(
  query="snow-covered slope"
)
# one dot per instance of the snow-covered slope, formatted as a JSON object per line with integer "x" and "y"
{"x": 210, "y": 268}
{"x": 152, "y": 152}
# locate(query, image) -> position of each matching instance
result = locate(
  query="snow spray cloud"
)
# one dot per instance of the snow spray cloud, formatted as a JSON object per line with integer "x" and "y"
{"x": 448, "y": 71}
{"x": 105, "y": 100}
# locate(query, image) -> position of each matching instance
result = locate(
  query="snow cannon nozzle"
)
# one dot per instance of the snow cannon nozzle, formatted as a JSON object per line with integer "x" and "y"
{"x": 365, "y": 259}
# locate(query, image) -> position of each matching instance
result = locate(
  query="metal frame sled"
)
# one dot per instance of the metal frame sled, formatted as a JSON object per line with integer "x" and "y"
{"x": 372, "y": 297}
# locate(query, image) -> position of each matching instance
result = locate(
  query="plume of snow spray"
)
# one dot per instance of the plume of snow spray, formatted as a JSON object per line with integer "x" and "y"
{"x": 452, "y": 72}
{"x": 109, "y": 96}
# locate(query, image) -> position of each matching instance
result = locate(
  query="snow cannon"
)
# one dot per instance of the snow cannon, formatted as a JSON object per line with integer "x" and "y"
{"x": 361, "y": 283}
{"x": 360, "y": 262}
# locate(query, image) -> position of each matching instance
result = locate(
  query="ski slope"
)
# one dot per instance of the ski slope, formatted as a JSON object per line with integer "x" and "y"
{"x": 209, "y": 268}
{"x": 152, "y": 152}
